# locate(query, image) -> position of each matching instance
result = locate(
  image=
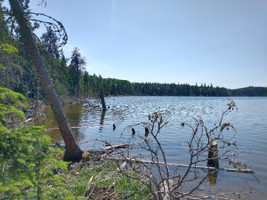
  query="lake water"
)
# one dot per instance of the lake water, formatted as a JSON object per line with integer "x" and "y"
{"x": 250, "y": 121}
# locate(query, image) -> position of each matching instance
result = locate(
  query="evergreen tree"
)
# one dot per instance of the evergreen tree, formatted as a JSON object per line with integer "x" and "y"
{"x": 77, "y": 64}
{"x": 50, "y": 40}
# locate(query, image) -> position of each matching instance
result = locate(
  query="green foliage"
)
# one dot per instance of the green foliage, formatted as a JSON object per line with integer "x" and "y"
{"x": 8, "y": 48}
{"x": 14, "y": 97}
{"x": 26, "y": 163}
{"x": 27, "y": 160}
{"x": 9, "y": 100}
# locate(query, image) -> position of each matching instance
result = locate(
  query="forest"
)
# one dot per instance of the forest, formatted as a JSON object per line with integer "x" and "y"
{"x": 71, "y": 79}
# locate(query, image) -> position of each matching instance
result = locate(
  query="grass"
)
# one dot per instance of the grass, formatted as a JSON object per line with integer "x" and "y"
{"x": 106, "y": 182}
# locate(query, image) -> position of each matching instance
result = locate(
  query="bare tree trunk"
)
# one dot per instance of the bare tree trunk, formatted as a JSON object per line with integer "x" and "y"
{"x": 102, "y": 98}
{"x": 73, "y": 152}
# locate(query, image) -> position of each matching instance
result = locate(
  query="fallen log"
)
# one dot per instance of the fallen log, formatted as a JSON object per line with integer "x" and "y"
{"x": 108, "y": 147}
{"x": 77, "y": 127}
{"x": 249, "y": 171}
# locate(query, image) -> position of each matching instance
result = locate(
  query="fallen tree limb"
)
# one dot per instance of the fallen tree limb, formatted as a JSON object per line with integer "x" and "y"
{"x": 107, "y": 148}
{"x": 249, "y": 171}
{"x": 76, "y": 127}
{"x": 114, "y": 147}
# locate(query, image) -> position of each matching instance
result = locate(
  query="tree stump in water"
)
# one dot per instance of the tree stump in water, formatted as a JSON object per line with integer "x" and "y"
{"x": 213, "y": 155}
{"x": 146, "y": 131}
{"x": 213, "y": 162}
{"x": 133, "y": 132}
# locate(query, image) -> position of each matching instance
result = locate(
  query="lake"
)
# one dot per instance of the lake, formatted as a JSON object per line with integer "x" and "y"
{"x": 250, "y": 121}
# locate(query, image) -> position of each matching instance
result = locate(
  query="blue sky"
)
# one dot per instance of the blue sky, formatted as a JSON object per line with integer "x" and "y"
{"x": 223, "y": 42}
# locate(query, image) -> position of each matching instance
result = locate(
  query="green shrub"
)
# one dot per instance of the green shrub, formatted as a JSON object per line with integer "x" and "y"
{"x": 27, "y": 159}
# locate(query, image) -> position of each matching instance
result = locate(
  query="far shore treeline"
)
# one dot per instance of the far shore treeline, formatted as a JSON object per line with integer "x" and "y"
{"x": 71, "y": 80}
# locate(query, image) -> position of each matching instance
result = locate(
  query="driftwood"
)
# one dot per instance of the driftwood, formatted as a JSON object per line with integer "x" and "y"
{"x": 107, "y": 148}
{"x": 249, "y": 171}
{"x": 76, "y": 127}
{"x": 114, "y": 147}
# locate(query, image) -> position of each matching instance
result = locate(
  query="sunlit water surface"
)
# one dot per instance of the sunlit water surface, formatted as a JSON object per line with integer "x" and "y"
{"x": 250, "y": 120}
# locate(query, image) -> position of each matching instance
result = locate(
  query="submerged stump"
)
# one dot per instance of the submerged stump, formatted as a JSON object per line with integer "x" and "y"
{"x": 133, "y": 132}
{"x": 213, "y": 161}
{"x": 146, "y": 131}
{"x": 213, "y": 155}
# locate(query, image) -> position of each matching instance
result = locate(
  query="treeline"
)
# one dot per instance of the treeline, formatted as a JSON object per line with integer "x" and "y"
{"x": 70, "y": 79}
{"x": 250, "y": 91}
{"x": 116, "y": 87}
{"x": 123, "y": 87}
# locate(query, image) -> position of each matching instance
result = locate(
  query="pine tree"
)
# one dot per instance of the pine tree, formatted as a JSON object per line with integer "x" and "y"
{"x": 77, "y": 64}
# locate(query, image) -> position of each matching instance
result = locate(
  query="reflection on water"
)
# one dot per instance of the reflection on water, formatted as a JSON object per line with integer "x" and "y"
{"x": 103, "y": 113}
{"x": 212, "y": 177}
{"x": 73, "y": 114}
{"x": 102, "y": 117}
{"x": 250, "y": 121}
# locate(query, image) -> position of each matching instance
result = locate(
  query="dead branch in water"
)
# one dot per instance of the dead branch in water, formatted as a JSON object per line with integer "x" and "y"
{"x": 77, "y": 127}
{"x": 249, "y": 171}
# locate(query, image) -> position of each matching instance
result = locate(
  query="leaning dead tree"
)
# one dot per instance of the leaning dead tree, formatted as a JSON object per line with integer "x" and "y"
{"x": 73, "y": 152}
{"x": 170, "y": 181}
